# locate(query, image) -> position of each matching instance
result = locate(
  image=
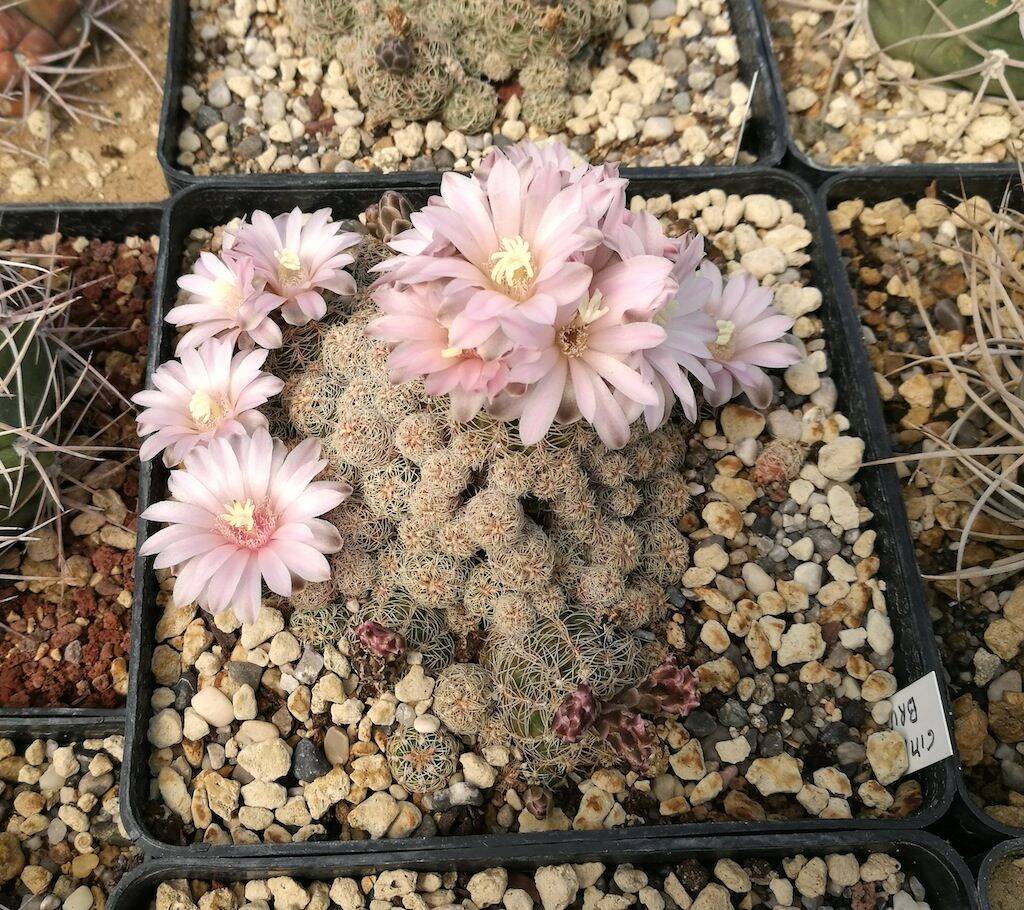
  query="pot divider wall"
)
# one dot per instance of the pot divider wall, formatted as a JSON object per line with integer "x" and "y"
{"x": 946, "y": 878}
{"x": 764, "y": 135}
{"x": 103, "y": 222}
{"x": 209, "y": 206}
{"x": 872, "y": 187}
{"x": 814, "y": 172}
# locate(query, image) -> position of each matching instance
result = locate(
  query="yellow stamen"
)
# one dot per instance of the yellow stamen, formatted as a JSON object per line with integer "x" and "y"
{"x": 288, "y": 260}
{"x": 725, "y": 332}
{"x": 450, "y": 353}
{"x": 513, "y": 265}
{"x": 204, "y": 408}
{"x": 591, "y": 310}
{"x": 240, "y": 515}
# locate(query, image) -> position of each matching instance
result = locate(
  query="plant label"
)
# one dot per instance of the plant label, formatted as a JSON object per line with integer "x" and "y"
{"x": 918, "y": 714}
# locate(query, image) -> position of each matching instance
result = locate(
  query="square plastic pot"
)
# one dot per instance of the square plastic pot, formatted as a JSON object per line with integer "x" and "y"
{"x": 103, "y": 222}
{"x": 764, "y": 135}
{"x": 209, "y": 206}
{"x": 814, "y": 172}
{"x": 946, "y": 878}
{"x": 874, "y": 186}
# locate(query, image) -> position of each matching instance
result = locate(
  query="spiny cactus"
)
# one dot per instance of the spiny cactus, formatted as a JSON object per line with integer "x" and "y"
{"x": 971, "y": 43}
{"x": 549, "y": 563}
{"x": 319, "y": 626}
{"x": 43, "y": 383}
{"x": 47, "y": 49}
{"x": 779, "y": 462}
{"x": 419, "y": 59}
{"x": 463, "y": 698}
{"x": 29, "y": 391}
{"x": 422, "y": 762}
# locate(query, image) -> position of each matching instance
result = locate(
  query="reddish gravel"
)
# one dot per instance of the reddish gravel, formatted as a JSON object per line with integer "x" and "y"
{"x": 66, "y": 643}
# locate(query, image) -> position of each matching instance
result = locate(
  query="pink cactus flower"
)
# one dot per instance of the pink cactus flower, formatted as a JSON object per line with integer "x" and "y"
{"x": 225, "y": 301}
{"x": 747, "y": 333}
{"x": 584, "y": 360}
{"x": 299, "y": 257}
{"x": 243, "y": 511}
{"x": 688, "y": 332}
{"x": 502, "y": 248}
{"x": 210, "y": 393}
{"x": 414, "y": 324}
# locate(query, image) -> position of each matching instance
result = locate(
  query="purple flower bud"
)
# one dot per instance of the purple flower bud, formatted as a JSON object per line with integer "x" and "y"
{"x": 575, "y": 715}
{"x": 537, "y": 801}
{"x": 629, "y": 735}
{"x": 381, "y": 641}
{"x": 674, "y": 688}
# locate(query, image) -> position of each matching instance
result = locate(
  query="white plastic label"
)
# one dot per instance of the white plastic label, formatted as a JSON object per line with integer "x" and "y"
{"x": 918, "y": 714}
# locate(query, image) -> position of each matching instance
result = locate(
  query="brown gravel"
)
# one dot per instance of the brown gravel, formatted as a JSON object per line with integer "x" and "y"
{"x": 66, "y": 636}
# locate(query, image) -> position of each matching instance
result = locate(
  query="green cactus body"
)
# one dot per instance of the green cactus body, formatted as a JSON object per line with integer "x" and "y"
{"x": 917, "y": 31}
{"x": 28, "y": 401}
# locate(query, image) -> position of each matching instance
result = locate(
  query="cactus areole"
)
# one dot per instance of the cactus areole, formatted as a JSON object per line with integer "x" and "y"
{"x": 955, "y": 41}
{"x": 28, "y": 400}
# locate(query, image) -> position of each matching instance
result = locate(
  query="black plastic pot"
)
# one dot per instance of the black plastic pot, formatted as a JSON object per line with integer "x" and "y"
{"x": 1010, "y": 849}
{"x": 104, "y": 222}
{"x": 946, "y": 878}
{"x": 764, "y": 136}
{"x": 209, "y": 206}
{"x": 814, "y": 172}
{"x": 873, "y": 187}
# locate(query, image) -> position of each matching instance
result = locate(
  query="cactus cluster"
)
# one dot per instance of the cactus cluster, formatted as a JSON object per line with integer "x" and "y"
{"x": 547, "y": 564}
{"x": 420, "y": 59}
{"x": 975, "y": 44}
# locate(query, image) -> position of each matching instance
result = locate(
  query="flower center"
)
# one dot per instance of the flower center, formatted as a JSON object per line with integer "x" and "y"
{"x": 452, "y": 353}
{"x": 246, "y": 523}
{"x": 206, "y": 410}
{"x": 290, "y": 271}
{"x": 228, "y": 294}
{"x": 574, "y": 338}
{"x": 721, "y": 347}
{"x": 513, "y": 267}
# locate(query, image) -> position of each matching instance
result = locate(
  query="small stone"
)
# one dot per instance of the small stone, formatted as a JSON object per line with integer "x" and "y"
{"x": 309, "y": 762}
{"x": 780, "y": 774}
{"x": 488, "y": 887}
{"x": 165, "y": 728}
{"x": 887, "y": 754}
{"x": 268, "y": 760}
{"x": 213, "y": 706}
{"x": 375, "y": 814}
{"x": 841, "y": 459}
{"x": 557, "y": 886}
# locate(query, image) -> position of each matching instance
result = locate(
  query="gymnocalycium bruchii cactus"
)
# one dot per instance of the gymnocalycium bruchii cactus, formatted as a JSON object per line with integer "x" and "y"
{"x": 419, "y": 59}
